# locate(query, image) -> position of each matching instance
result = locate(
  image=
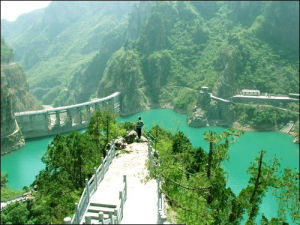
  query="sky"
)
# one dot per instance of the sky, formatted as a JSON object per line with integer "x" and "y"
{"x": 10, "y": 10}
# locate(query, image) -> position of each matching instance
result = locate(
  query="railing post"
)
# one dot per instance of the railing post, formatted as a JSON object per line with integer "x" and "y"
{"x": 101, "y": 170}
{"x": 150, "y": 151}
{"x": 125, "y": 186}
{"x": 149, "y": 145}
{"x": 159, "y": 217}
{"x": 111, "y": 218}
{"x": 121, "y": 205}
{"x": 67, "y": 220}
{"x": 116, "y": 216}
{"x": 87, "y": 189}
{"x": 95, "y": 175}
{"x": 77, "y": 216}
{"x": 100, "y": 215}
{"x": 88, "y": 220}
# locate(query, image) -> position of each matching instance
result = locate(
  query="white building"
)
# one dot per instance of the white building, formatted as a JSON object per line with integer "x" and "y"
{"x": 250, "y": 92}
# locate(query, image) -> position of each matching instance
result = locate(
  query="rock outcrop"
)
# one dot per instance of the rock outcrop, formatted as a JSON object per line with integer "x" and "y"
{"x": 198, "y": 119}
{"x": 210, "y": 112}
{"x": 11, "y": 136}
{"x": 14, "y": 97}
{"x": 130, "y": 136}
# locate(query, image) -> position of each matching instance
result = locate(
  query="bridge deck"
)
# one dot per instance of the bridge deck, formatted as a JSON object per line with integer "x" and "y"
{"x": 219, "y": 99}
{"x": 67, "y": 107}
{"x": 141, "y": 204}
{"x": 264, "y": 97}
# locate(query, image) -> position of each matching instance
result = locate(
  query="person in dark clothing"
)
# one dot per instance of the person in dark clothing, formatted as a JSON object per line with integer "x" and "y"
{"x": 139, "y": 125}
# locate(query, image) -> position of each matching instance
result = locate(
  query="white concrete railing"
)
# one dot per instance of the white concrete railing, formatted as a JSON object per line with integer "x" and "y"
{"x": 91, "y": 187}
{"x": 161, "y": 216}
{"x": 116, "y": 216}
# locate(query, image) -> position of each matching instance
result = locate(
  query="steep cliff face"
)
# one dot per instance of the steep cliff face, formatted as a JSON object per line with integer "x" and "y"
{"x": 123, "y": 73}
{"x": 11, "y": 135}
{"x": 18, "y": 88}
{"x": 209, "y": 112}
{"x": 14, "y": 98}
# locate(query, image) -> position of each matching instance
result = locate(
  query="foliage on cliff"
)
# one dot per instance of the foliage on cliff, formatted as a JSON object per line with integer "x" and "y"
{"x": 6, "y": 53}
{"x": 194, "y": 181}
{"x": 263, "y": 117}
{"x": 14, "y": 84}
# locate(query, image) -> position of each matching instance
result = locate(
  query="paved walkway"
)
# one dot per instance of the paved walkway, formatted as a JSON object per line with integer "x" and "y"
{"x": 141, "y": 204}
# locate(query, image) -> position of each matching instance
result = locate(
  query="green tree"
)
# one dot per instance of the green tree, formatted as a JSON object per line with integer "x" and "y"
{"x": 263, "y": 176}
{"x": 3, "y": 180}
{"x": 287, "y": 194}
{"x": 15, "y": 213}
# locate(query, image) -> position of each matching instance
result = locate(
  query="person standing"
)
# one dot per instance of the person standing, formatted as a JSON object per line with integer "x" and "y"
{"x": 139, "y": 125}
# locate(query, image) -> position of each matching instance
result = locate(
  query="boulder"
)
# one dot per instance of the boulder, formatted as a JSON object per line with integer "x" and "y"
{"x": 120, "y": 143}
{"x": 130, "y": 136}
{"x": 198, "y": 119}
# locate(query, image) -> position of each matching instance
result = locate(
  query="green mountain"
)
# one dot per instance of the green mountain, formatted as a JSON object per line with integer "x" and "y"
{"x": 52, "y": 44}
{"x": 226, "y": 46}
{"x": 158, "y": 53}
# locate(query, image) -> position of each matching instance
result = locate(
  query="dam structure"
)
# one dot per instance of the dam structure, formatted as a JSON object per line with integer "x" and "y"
{"x": 63, "y": 119}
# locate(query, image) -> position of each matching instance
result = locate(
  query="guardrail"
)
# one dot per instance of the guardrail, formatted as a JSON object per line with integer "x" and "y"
{"x": 161, "y": 216}
{"x": 116, "y": 216}
{"x": 91, "y": 187}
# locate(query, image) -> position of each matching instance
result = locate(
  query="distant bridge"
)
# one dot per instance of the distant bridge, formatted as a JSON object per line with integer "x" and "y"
{"x": 219, "y": 99}
{"x": 63, "y": 119}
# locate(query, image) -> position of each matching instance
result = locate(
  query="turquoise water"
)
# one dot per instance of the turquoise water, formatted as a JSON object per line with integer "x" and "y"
{"x": 23, "y": 165}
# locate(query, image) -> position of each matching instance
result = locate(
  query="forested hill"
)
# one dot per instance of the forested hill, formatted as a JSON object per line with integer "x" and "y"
{"x": 159, "y": 53}
{"x": 53, "y": 43}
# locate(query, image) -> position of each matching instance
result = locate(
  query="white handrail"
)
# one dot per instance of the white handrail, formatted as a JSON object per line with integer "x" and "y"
{"x": 161, "y": 217}
{"x": 91, "y": 187}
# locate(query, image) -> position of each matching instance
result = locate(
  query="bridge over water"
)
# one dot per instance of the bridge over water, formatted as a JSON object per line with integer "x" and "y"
{"x": 63, "y": 119}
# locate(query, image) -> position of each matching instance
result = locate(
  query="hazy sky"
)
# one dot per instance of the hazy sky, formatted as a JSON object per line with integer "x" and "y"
{"x": 10, "y": 10}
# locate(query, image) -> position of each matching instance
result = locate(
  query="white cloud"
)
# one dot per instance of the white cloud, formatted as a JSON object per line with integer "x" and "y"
{"x": 10, "y": 10}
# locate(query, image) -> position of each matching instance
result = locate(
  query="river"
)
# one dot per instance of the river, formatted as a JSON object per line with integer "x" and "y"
{"x": 24, "y": 164}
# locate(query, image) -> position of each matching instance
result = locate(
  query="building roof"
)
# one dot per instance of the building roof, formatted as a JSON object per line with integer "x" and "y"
{"x": 250, "y": 90}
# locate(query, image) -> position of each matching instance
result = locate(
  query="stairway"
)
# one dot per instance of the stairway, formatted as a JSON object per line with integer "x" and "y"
{"x": 97, "y": 211}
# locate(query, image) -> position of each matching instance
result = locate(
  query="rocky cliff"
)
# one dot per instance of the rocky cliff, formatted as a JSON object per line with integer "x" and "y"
{"x": 210, "y": 112}
{"x": 14, "y": 98}
{"x": 11, "y": 135}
